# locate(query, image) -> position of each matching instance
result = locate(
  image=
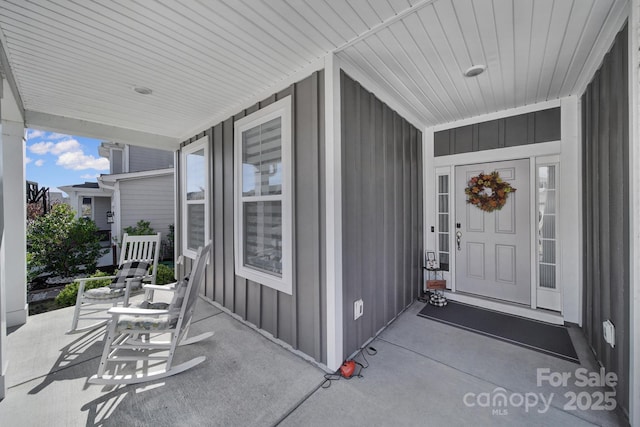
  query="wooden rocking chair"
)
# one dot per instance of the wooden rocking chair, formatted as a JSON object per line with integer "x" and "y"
{"x": 137, "y": 255}
{"x": 140, "y": 334}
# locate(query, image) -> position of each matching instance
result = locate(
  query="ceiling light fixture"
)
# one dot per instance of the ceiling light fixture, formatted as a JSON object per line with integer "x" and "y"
{"x": 143, "y": 90}
{"x": 475, "y": 70}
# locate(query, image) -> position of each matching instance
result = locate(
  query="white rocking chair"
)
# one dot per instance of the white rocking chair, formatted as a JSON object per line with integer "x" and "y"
{"x": 140, "y": 334}
{"x": 138, "y": 253}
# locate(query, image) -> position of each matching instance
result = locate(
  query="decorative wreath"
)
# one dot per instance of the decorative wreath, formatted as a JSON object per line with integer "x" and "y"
{"x": 488, "y": 192}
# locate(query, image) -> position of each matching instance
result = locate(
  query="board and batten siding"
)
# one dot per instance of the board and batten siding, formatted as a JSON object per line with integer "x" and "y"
{"x": 297, "y": 319}
{"x": 381, "y": 213}
{"x": 149, "y": 199}
{"x": 523, "y": 129}
{"x": 146, "y": 159}
{"x": 605, "y": 175}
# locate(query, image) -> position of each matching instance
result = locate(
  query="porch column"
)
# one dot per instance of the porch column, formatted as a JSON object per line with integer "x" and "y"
{"x": 14, "y": 217}
{"x": 333, "y": 171}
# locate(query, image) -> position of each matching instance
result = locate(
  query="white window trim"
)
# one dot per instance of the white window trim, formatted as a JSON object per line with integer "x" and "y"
{"x": 201, "y": 144}
{"x": 281, "y": 108}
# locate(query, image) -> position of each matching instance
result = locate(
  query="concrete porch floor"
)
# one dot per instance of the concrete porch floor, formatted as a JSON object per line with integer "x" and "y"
{"x": 420, "y": 376}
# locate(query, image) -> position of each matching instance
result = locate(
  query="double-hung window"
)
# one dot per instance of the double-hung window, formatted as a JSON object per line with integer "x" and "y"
{"x": 263, "y": 196}
{"x": 195, "y": 196}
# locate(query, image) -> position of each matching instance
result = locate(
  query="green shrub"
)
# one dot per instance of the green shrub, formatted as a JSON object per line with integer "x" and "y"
{"x": 32, "y": 270}
{"x": 62, "y": 244}
{"x": 68, "y": 296}
{"x": 164, "y": 275}
{"x": 142, "y": 228}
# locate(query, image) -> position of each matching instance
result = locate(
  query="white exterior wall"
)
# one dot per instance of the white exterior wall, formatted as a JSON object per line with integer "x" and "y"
{"x": 150, "y": 199}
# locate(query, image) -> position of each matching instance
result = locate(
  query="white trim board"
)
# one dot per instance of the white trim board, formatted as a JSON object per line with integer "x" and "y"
{"x": 53, "y": 123}
{"x": 504, "y": 307}
{"x": 333, "y": 195}
{"x": 499, "y": 115}
{"x": 500, "y": 154}
{"x": 601, "y": 46}
{"x": 7, "y": 72}
{"x": 134, "y": 175}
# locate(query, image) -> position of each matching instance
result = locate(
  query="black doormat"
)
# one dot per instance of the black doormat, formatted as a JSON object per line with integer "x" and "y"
{"x": 550, "y": 339}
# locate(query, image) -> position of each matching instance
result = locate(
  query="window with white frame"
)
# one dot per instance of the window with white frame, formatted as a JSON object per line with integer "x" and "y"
{"x": 442, "y": 192}
{"x": 547, "y": 225}
{"x": 86, "y": 208}
{"x": 263, "y": 196}
{"x": 195, "y": 196}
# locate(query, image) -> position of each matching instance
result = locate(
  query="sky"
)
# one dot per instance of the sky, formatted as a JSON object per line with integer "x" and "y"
{"x": 53, "y": 159}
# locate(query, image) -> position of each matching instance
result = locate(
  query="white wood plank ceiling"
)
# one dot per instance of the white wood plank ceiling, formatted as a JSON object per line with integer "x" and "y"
{"x": 534, "y": 50}
{"x": 81, "y": 59}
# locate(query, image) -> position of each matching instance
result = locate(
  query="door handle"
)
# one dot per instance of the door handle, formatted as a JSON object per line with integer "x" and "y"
{"x": 458, "y": 239}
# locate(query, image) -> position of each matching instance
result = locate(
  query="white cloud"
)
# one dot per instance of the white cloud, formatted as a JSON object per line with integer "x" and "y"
{"x": 77, "y": 160}
{"x": 57, "y": 136}
{"x": 90, "y": 176}
{"x": 33, "y": 133}
{"x": 39, "y": 162}
{"x": 27, "y": 160}
{"x": 70, "y": 155}
{"x": 65, "y": 147}
{"x": 55, "y": 148}
{"x": 40, "y": 147}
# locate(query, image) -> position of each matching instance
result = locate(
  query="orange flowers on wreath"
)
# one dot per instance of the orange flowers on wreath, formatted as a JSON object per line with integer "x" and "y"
{"x": 488, "y": 192}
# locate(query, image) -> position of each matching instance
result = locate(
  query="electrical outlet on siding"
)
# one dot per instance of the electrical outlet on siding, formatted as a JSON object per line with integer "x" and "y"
{"x": 358, "y": 309}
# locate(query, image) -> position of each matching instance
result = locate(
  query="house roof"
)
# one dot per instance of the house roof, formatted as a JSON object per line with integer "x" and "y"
{"x": 86, "y": 185}
{"x": 75, "y": 64}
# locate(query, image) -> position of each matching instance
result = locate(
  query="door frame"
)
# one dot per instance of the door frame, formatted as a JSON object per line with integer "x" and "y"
{"x": 565, "y": 153}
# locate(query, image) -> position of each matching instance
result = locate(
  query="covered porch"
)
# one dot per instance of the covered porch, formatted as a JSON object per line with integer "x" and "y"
{"x": 379, "y": 100}
{"x": 424, "y": 373}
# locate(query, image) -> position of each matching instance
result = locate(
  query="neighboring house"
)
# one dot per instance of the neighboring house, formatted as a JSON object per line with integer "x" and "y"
{"x": 57, "y": 197}
{"x": 323, "y": 149}
{"x": 90, "y": 201}
{"x": 139, "y": 187}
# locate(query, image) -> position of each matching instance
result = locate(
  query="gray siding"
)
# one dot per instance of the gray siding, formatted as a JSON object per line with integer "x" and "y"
{"x": 145, "y": 159}
{"x": 530, "y": 128}
{"x": 605, "y": 154}
{"x": 101, "y": 205}
{"x": 150, "y": 199}
{"x": 296, "y": 319}
{"x": 382, "y": 212}
{"x": 116, "y": 161}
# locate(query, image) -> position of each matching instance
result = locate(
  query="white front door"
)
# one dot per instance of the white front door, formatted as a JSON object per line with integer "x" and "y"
{"x": 493, "y": 250}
